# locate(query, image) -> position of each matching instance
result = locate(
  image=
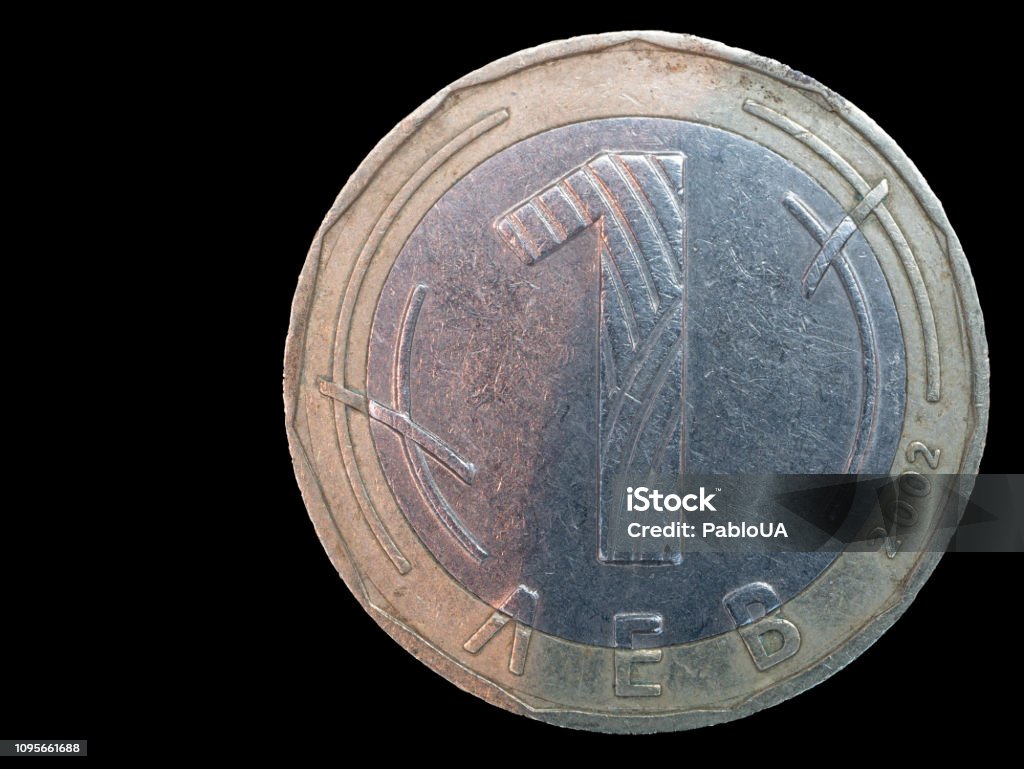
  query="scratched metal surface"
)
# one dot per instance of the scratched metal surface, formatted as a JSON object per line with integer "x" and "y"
{"x": 627, "y": 294}
{"x": 820, "y": 316}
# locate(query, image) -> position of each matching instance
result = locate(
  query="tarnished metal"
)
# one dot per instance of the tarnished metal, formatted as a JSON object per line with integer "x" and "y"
{"x": 527, "y": 297}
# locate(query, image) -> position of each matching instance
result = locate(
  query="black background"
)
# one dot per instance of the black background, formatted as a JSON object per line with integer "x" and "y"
{"x": 940, "y": 664}
{"x": 282, "y": 650}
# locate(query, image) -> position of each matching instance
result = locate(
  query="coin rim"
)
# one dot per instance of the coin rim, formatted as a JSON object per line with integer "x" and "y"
{"x": 965, "y": 291}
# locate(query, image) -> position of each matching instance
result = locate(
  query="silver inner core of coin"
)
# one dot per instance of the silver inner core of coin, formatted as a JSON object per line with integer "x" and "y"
{"x": 613, "y": 300}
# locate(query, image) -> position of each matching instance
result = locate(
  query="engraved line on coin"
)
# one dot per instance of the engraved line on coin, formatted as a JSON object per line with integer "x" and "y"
{"x": 572, "y": 200}
{"x": 629, "y": 377}
{"x": 402, "y": 424}
{"x": 641, "y": 294}
{"x": 366, "y": 253}
{"x": 644, "y": 205}
{"x": 899, "y": 241}
{"x": 830, "y": 249}
{"x": 521, "y": 602}
{"x": 803, "y": 213}
{"x": 352, "y": 399}
{"x": 520, "y": 231}
{"x": 549, "y": 219}
{"x": 674, "y": 423}
{"x": 538, "y": 210}
{"x": 672, "y": 363}
{"x": 609, "y": 267}
{"x": 387, "y": 218}
{"x": 620, "y": 227}
{"x": 608, "y": 365}
{"x": 415, "y": 456}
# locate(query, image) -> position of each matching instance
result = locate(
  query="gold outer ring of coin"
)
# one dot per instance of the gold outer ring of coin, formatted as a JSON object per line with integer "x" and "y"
{"x": 357, "y": 518}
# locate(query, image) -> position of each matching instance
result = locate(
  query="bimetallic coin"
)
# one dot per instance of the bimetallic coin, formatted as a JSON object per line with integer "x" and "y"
{"x": 610, "y": 261}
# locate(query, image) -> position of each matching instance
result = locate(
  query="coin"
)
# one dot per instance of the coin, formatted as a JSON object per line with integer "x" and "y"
{"x": 633, "y": 255}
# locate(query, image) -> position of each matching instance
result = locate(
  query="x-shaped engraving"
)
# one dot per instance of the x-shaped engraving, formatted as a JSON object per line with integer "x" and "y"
{"x": 404, "y": 425}
{"x": 831, "y": 243}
